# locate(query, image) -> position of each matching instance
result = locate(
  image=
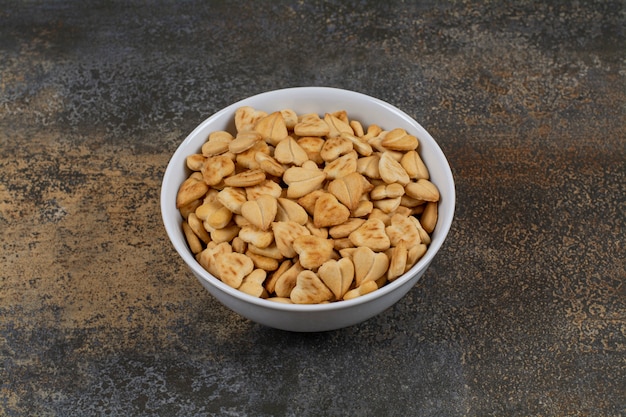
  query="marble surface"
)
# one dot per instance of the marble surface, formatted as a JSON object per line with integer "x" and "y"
{"x": 522, "y": 313}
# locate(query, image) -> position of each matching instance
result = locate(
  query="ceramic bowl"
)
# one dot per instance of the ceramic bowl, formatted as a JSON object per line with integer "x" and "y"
{"x": 318, "y": 317}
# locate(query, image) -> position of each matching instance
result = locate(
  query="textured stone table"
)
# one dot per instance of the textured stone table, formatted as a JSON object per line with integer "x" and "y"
{"x": 522, "y": 313}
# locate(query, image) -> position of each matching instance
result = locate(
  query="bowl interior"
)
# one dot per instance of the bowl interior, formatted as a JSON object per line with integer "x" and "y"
{"x": 367, "y": 110}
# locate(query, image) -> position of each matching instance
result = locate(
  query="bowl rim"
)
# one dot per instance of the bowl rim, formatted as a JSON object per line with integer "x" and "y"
{"x": 443, "y": 226}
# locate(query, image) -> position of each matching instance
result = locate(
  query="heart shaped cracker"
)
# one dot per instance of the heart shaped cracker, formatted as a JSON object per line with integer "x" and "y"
{"x": 269, "y": 164}
{"x": 424, "y": 236}
{"x": 247, "y": 159}
{"x": 341, "y": 166}
{"x": 337, "y": 275}
{"x": 260, "y": 212}
{"x": 308, "y": 201}
{"x": 344, "y": 230}
{"x": 366, "y": 288}
{"x": 257, "y": 237}
{"x": 216, "y": 168}
{"x": 412, "y": 203}
{"x": 284, "y": 235}
{"x": 335, "y": 147}
{"x": 372, "y": 131}
{"x": 195, "y": 162}
{"x": 246, "y": 117}
{"x": 288, "y": 151}
{"x": 381, "y": 215}
{"x": 245, "y": 178}
{"x": 399, "y": 140}
{"x": 252, "y": 284}
{"x": 262, "y": 262}
{"x": 368, "y": 265}
{"x": 316, "y": 231}
{"x": 197, "y": 227}
{"x": 302, "y": 181}
{"x": 225, "y": 234}
{"x": 244, "y": 141}
{"x": 214, "y": 215}
{"x": 402, "y": 229}
{"x": 290, "y": 117}
{"x": 313, "y": 251}
{"x": 348, "y": 189}
{"x": 368, "y": 166}
{"x": 270, "y": 251}
{"x": 357, "y": 128}
{"x": 207, "y": 258}
{"x": 336, "y": 125}
{"x": 398, "y": 261}
{"x": 422, "y": 190}
{"x": 391, "y": 171}
{"x": 362, "y": 147}
{"x": 414, "y": 166}
{"x": 342, "y": 243}
{"x": 404, "y": 211}
{"x": 232, "y": 198}
{"x": 375, "y": 142}
{"x": 364, "y": 208}
{"x": 372, "y": 235}
{"x": 192, "y": 239}
{"x": 238, "y": 244}
{"x": 383, "y": 191}
{"x": 310, "y": 289}
{"x": 312, "y": 145}
{"x": 270, "y": 282}
{"x": 290, "y": 210}
{"x": 217, "y": 143}
{"x": 268, "y": 187}
{"x": 341, "y": 115}
{"x": 415, "y": 253}
{"x": 190, "y": 206}
{"x": 287, "y": 280}
{"x": 329, "y": 211}
{"x": 233, "y": 267}
{"x": 429, "y": 217}
{"x": 387, "y": 205}
{"x": 311, "y": 126}
{"x": 272, "y": 128}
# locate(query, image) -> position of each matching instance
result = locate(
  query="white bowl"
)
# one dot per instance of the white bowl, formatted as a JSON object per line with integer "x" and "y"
{"x": 318, "y": 317}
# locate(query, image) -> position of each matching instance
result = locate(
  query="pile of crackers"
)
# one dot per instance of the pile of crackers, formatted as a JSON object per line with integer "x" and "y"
{"x": 307, "y": 209}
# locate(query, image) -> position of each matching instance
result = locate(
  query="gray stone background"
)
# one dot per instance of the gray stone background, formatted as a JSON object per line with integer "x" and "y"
{"x": 522, "y": 313}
